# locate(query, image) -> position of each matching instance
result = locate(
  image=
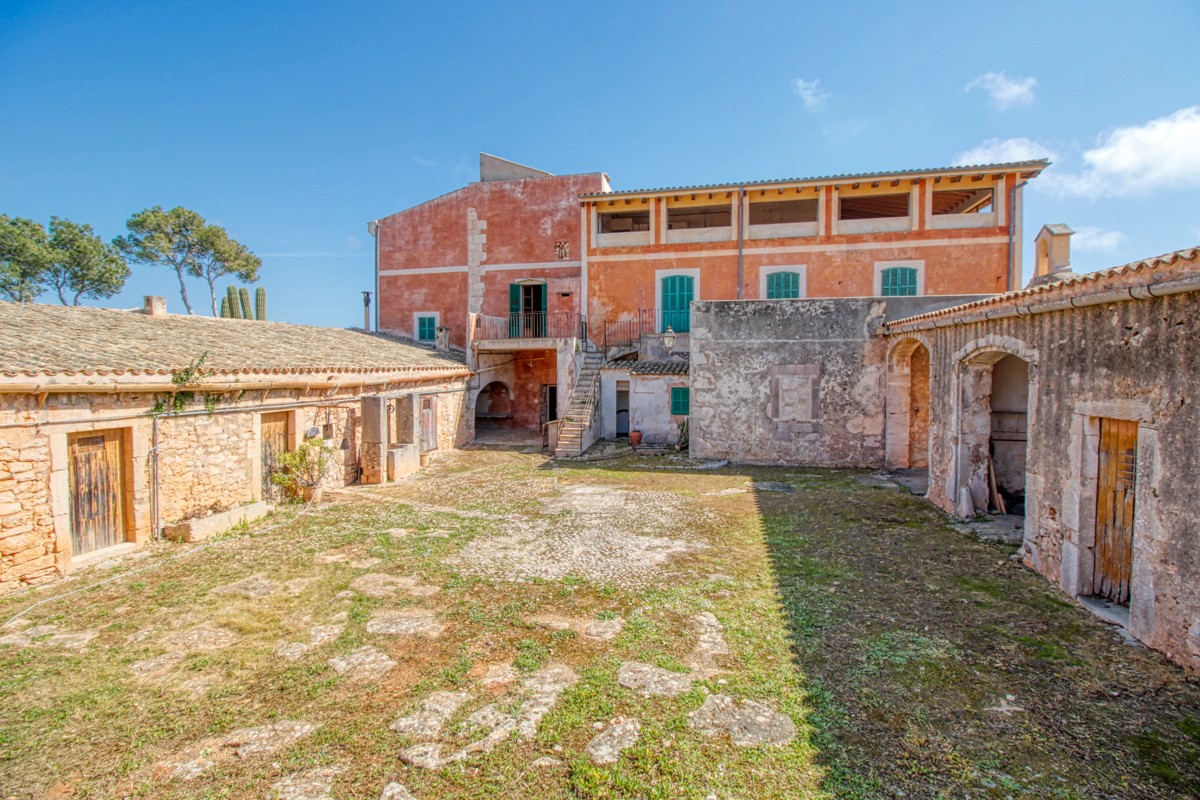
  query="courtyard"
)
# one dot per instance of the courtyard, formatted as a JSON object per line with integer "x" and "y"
{"x": 504, "y": 626}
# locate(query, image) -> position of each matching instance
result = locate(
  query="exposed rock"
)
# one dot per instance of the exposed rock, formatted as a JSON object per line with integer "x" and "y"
{"x": 772, "y": 486}
{"x": 396, "y": 791}
{"x": 406, "y": 622}
{"x": 198, "y": 686}
{"x": 381, "y": 585}
{"x": 651, "y": 680}
{"x": 751, "y": 723}
{"x": 499, "y": 674}
{"x": 606, "y": 748}
{"x": 291, "y": 651}
{"x": 703, "y": 658}
{"x": 436, "y": 711}
{"x": 426, "y": 756}
{"x": 296, "y": 585}
{"x": 205, "y": 637}
{"x": 724, "y": 492}
{"x": 488, "y": 717}
{"x": 308, "y": 784}
{"x": 546, "y": 761}
{"x": 254, "y": 586}
{"x": 604, "y": 629}
{"x": 324, "y": 634}
{"x": 49, "y": 636}
{"x": 196, "y": 759}
{"x": 365, "y": 663}
{"x": 543, "y": 688}
{"x": 157, "y": 665}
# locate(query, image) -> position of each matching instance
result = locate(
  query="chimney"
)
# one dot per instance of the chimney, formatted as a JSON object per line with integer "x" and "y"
{"x": 442, "y": 341}
{"x": 155, "y": 306}
{"x": 1052, "y": 254}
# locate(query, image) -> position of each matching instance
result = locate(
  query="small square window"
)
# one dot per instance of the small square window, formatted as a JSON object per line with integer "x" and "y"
{"x": 426, "y": 329}
{"x": 680, "y": 401}
{"x": 898, "y": 282}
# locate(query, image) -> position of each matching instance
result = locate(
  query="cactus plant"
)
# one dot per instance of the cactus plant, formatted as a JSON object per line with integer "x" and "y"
{"x": 225, "y": 308}
{"x": 244, "y": 296}
{"x": 260, "y": 304}
{"x": 235, "y": 303}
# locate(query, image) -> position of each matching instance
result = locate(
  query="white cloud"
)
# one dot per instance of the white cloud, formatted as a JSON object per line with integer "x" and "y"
{"x": 424, "y": 162}
{"x": 1090, "y": 239}
{"x": 997, "y": 151}
{"x": 1138, "y": 159}
{"x": 1005, "y": 91}
{"x": 810, "y": 93}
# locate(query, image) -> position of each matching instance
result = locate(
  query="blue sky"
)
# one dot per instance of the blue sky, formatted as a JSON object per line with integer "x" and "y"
{"x": 292, "y": 124}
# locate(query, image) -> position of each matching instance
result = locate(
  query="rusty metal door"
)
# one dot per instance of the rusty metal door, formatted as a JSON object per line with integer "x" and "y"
{"x": 429, "y": 432}
{"x": 97, "y": 478}
{"x": 274, "y": 444}
{"x": 1115, "y": 489}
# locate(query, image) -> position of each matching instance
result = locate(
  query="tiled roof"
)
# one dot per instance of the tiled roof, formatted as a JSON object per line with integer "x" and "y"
{"x": 1035, "y": 166}
{"x": 1135, "y": 273}
{"x": 42, "y": 339}
{"x": 651, "y": 367}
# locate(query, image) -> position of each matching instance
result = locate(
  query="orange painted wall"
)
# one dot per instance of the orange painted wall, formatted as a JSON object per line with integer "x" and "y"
{"x": 525, "y": 218}
{"x": 531, "y": 369}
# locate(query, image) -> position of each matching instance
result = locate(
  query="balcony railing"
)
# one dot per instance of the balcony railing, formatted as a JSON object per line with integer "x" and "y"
{"x": 532, "y": 325}
{"x": 646, "y": 320}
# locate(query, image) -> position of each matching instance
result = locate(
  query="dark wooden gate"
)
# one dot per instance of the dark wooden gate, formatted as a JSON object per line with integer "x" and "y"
{"x": 1115, "y": 489}
{"x": 429, "y": 431}
{"x": 97, "y": 478}
{"x": 274, "y": 444}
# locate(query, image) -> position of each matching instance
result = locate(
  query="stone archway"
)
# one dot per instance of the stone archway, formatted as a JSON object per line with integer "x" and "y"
{"x": 493, "y": 407}
{"x": 995, "y": 412}
{"x": 908, "y": 405}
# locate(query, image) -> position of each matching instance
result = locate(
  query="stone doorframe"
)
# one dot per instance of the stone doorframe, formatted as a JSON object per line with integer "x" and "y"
{"x": 971, "y": 427}
{"x": 1078, "y": 518}
{"x": 897, "y": 402}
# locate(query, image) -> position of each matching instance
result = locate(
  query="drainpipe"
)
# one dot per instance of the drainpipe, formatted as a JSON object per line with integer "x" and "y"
{"x": 154, "y": 501}
{"x": 1012, "y": 234}
{"x": 373, "y": 229}
{"x": 741, "y": 227}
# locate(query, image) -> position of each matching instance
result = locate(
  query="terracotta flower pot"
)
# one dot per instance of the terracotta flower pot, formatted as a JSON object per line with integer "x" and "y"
{"x": 635, "y": 438}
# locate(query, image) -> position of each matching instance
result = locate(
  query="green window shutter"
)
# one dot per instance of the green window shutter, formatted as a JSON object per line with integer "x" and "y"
{"x": 677, "y": 294}
{"x": 680, "y": 401}
{"x": 545, "y": 294}
{"x": 426, "y": 329}
{"x": 514, "y": 310}
{"x": 783, "y": 285}
{"x": 898, "y": 282}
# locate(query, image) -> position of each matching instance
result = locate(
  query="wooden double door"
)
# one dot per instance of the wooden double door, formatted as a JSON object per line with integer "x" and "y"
{"x": 96, "y": 473}
{"x": 1116, "y": 485}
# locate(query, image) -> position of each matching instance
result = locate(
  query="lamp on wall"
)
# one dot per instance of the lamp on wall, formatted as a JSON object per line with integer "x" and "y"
{"x": 669, "y": 338}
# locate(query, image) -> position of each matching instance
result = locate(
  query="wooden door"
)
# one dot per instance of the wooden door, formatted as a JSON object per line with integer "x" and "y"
{"x": 274, "y": 444}
{"x": 429, "y": 433}
{"x": 1115, "y": 489}
{"x": 97, "y": 478}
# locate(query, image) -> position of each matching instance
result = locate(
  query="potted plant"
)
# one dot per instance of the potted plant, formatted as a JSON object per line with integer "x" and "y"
{"x": 635, "y": 438}
{"x": 302, "y": 470}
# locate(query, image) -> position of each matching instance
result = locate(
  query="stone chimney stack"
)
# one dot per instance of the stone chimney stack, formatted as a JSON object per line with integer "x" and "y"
{"x": 1052, "y": 259}
{"x": 155, "y": 306}
{"x": 442, "y": 341}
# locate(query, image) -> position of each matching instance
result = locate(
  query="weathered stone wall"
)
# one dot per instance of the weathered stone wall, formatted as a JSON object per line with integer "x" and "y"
{"x": 1133, "y": 360}
{"x": 206, "y": 462}
{"x": 793, "y": 381}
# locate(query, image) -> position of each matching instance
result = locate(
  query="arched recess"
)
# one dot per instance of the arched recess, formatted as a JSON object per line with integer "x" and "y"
{"x": 493, "y": 407}
{"x": 994, "y": 415}
{"x": 908, "y": 404}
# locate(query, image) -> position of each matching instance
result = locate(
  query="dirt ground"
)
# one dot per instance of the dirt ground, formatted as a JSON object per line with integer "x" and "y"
{"x": 502, "y": 626}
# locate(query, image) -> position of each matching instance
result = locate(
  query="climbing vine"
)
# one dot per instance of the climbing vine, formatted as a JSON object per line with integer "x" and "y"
{"x": 178, "y": 400}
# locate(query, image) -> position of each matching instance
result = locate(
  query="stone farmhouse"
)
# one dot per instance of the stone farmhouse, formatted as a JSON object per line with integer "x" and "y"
{"x": 96, "y": 456}
{"x": 874, "y": 320}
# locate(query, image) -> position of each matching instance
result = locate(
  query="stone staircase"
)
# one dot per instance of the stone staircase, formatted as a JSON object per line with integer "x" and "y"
{"x": 584, "y": 398}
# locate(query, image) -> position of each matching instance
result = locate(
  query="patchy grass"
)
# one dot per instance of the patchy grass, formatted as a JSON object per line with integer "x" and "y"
{"x": 889, "y": 639}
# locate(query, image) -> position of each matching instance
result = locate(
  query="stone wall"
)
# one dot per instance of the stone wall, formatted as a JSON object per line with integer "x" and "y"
{"x": 207, "y": 462}
{"x": 1132, "y": 360}
{"x": 788, "y": 381}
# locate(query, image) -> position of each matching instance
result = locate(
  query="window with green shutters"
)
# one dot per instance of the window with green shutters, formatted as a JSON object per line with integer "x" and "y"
{"x": 677, "y": 294}
{"x": 898, "y": 281}
{"x": 783, "y": 285}
{"x": 426, "y": 329}
{"x": 680, "y": 401}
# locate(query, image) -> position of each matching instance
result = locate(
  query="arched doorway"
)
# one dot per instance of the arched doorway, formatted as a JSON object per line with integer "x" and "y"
{"x": 908, "y": 406}
{"x": 493, "y": 407}
{"x": 993, "y": 434}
